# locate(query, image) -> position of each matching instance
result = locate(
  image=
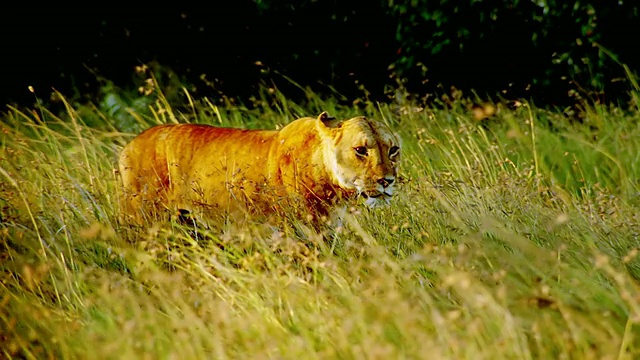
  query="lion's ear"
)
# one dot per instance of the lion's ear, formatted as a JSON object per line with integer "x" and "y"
{"x": 328, "y": 121}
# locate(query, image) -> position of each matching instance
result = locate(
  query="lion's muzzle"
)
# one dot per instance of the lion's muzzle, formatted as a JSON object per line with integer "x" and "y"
{"x": 381, "y": 194}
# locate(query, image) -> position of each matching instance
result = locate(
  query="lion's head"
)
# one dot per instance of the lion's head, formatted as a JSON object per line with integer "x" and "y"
{"x": 362, "y": 155}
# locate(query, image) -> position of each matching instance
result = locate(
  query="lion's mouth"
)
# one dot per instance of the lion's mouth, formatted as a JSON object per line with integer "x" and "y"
{"x": 374, "y": 196}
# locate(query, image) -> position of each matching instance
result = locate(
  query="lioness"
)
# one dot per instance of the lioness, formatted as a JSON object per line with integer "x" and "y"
{"x": 316, "y": 162}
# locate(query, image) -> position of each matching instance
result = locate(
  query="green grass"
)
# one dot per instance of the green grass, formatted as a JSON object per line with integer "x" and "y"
{"x": 514, "y": 237}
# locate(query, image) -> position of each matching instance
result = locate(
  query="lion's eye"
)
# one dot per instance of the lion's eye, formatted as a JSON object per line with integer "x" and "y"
{"x": 361, "y": 150}
{"x": 394, "y": 151}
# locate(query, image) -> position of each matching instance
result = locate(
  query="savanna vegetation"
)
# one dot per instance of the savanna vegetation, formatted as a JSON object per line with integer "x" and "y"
{"x": 515, "y": 235}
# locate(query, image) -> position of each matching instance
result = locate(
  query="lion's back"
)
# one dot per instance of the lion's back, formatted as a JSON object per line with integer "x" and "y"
{"x": 162, "y": 165}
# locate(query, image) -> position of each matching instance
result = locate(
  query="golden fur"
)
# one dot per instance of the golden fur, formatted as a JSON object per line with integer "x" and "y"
{"x": 315, "y": 162}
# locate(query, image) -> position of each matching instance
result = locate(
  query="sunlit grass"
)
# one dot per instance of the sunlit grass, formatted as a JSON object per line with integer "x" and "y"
{"x": 513, "y": 237}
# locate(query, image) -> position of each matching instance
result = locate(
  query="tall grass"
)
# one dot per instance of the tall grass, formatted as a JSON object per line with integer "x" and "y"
{"x": 513, "y": 237}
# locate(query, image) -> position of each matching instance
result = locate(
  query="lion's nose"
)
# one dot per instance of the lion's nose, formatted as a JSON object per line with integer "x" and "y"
{"x": 385, "y": 181}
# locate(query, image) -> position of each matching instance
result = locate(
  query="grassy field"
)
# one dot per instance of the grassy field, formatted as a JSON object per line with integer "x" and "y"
{"x": 513, "y": 237}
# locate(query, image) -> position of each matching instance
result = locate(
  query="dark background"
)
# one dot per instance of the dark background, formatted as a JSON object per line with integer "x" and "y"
{"x": 512, "y": 48}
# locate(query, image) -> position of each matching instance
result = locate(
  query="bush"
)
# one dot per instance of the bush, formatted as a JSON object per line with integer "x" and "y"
{"x": 555, "y": 52}
{"x": 550, "y": 49}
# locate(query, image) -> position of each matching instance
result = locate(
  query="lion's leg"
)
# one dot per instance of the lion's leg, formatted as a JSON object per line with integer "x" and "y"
{"x": 130, "y": 194}
{"x": 144, "y": 191}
